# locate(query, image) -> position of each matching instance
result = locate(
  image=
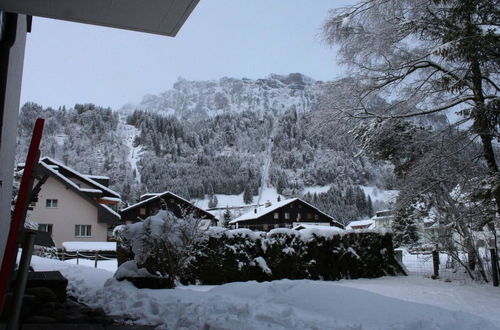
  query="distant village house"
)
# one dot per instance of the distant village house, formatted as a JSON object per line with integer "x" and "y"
{"x": 151, "y": 203}
{"x": 284, "y": 214}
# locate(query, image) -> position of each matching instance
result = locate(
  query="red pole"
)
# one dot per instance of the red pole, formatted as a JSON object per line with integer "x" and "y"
{"x": 20, "y": 209}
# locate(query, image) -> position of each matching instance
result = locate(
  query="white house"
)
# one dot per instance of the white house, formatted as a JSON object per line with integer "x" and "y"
{"x": 361, "y": 224}
{"x": 73, "y": 206}
{"x": 383, "y": 219}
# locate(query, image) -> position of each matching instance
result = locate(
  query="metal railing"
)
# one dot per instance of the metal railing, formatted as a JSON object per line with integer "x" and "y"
{"x": 95, "y": 255}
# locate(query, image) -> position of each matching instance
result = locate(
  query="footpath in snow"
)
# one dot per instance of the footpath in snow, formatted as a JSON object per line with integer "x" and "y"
{"x": 384, "y": 303}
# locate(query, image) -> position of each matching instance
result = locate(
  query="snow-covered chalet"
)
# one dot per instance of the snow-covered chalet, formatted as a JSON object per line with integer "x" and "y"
{"x": 151, "y": 203}
{"x": 288, "y": 213}
{"x": 72, "y": 206}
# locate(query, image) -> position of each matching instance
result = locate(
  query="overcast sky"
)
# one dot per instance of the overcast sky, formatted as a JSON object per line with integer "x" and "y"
{"x": 68, "y": 63}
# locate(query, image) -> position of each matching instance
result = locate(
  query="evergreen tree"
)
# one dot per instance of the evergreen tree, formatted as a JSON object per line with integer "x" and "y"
{"x": 405, "y": 228}
{"x": 247, "y": 195}
{"x": 226, "y": 217}
{"x": 369, "y": 210}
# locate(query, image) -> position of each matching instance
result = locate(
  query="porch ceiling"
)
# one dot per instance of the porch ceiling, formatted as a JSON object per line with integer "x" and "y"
{"x": 163, "y": 17}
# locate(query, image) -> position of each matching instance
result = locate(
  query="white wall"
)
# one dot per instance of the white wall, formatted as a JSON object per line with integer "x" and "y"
{"x": 8, "y": 129}
{"x": 71, "y": 210}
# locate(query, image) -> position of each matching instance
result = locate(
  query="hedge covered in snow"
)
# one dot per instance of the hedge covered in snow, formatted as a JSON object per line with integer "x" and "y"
{"x": 241, "y": 255}
{"x": 220, "y": 255}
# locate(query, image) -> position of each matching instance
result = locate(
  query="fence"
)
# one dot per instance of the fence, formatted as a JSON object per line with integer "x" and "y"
{"x": 433, "y": 264}
{"x": 96, "y": 256}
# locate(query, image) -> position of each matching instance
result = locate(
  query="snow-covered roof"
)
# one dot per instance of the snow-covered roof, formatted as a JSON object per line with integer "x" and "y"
{"x": 89, "y": 246}
{"x": 265, "y": 210}
{"x": 84, "y": 191}
{"x": 367, "y": 223}
{"x": 98, "y": 177}
{"x": 90, "y": 190}
{"x": 146, "y": 201}
{"x": 111, "y": 199}
{"x": 59, "y": 175}
{"x": 80, "y": 175}
{"x": 319, "y": 227}
{"x": 110, "y": 210}
{"x": 159, "y": 195}
{"x": 150, "y": 195}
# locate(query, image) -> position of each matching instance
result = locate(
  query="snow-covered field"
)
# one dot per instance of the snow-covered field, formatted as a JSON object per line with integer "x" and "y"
{"x": 384, "y": 303}
{"x": 376, "y": 194}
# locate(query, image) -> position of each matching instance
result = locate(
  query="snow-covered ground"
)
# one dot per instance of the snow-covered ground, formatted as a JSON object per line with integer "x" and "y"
{"x": 264, "y": 180}
{"x": 315, "y": 190}
{"x": 384, "y": 303}
{"x": 134, "y": 152}
{"x": 377, "y": 194}
{"x": 236, "y": 204}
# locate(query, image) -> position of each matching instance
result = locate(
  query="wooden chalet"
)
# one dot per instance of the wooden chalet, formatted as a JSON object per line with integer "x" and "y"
{"x": 284, "y": 214}
{"x": 150, "y": 204}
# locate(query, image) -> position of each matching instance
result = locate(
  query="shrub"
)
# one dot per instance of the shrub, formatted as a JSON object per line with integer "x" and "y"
{"x": 219, "y": 255}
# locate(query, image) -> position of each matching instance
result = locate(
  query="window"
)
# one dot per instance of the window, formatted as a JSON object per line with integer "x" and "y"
{"x": 316, "y": 217}
{"x": 266, "y": 227}
{"x": 45, "y": 227}
{"x": 51, "y": 203}
{"x": 276, "y": 215}
{"x": 82, "y": 230}
{"x": 142, "y": 211}
{"x": 298, "y": 216}
{"x": 309, "y": 216}
{"x": 287, "y": 215}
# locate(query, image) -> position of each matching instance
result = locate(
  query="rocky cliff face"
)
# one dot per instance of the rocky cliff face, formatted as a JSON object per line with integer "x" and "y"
{"x": 203, "y": 99}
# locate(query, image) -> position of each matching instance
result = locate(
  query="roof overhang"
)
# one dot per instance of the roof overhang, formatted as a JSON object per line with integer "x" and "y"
{"x": 163, "y": 17}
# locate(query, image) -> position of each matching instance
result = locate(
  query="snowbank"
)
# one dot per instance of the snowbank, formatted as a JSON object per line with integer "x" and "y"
{"x": 285, "y": 304}
{"x": 282, "y": 304}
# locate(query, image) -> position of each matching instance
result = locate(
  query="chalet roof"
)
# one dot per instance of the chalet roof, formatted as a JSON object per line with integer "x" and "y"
{"x": 252, "y": 215}
{"x": 313, "y": 226}
{"x": 98, "y": 188}
{"x": 162, "y": 195}
{"x": 93, "y": 177}
{"x": 367, "y": 222}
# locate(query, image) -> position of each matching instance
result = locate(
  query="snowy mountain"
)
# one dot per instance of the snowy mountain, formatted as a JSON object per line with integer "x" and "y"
{"x": 201, "y": 99}
{"x": 203, "y": 139}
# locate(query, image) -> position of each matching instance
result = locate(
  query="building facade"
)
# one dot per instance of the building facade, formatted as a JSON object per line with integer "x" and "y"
{"x": 72, "y": 206}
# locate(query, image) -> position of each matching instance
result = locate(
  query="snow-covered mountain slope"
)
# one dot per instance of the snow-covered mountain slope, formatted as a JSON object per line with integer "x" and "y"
{"x": 201, "y": 99}
{"x": 202, "y": 139}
